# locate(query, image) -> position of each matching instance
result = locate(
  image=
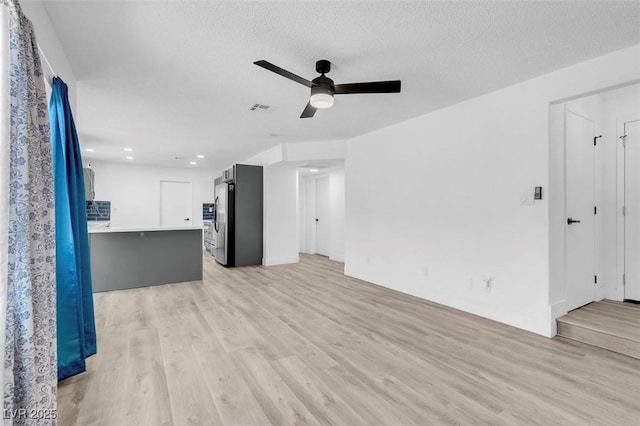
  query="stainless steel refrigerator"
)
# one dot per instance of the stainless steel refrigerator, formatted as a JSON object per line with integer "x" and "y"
{"x": 238, "y": 216}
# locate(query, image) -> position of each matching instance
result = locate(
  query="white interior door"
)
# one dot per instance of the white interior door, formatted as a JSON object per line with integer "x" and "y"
{"x": 580, "y": 202}
{"x": 632, "y": 210}
{"x": 175, "y": 203}
{"x": 323, "y": 228}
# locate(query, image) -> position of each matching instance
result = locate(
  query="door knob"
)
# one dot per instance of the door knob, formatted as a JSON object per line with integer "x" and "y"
{"x": 571, "y": 221}
{"x": 187, "y": 219}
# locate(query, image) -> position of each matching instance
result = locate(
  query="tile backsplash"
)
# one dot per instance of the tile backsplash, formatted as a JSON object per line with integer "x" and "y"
{"x": 98, "y": 210}
{"x": 207, "y": 211}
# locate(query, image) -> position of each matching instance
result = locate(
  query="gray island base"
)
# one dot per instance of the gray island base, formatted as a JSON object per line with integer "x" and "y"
{"x": 123, "y": 258}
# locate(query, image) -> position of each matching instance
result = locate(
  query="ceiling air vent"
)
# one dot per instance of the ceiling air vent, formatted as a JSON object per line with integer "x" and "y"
{"x": 262, "y": 108}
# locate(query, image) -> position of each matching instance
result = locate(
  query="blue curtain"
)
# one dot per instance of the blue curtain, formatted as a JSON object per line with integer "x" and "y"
{"x": 27, "y": 203}
{"x": 76, "y": 322}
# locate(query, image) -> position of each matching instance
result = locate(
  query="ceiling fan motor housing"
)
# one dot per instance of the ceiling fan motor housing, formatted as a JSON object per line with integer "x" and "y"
{"x": 322, "y": 84}
{"x": 323, "y": 66}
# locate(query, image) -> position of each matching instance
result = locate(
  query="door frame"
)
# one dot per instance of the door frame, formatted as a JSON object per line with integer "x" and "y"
{"x": 328, "y": 220}
{"x": 620, "y": 196}
{"x": 190, "y": 196}
{"x": 567, "y": 111}
{"x": 556, "y": 197}
{"x": 307, "y": 206}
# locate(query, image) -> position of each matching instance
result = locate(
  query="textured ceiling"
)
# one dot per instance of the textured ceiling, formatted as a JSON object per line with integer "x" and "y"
{"x": 176, "y": 78}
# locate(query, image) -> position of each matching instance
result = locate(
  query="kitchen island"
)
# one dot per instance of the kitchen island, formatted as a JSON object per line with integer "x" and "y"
{"x": 123, "y": 258}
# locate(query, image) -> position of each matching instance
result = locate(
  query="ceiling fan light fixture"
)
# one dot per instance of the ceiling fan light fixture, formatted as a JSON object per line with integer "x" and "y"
{"x": 321, "y": 100}
{"x": 323, "y": 88}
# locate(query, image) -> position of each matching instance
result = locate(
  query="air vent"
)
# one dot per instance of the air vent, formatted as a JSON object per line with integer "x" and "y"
{"x": 262, "y": 108}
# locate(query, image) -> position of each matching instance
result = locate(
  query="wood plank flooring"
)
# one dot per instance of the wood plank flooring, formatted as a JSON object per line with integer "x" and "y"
{"x": 607, "y": 324}
{"x": 303, "y": 344}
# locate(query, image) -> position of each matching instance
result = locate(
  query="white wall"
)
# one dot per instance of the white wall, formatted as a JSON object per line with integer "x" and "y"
{"x": 300, "y": 152}
{"x": 302, "y": 213}
{"x": 134, "y": 191}
{"x": 318, "y": 151}
{"x": 337, "y": 212}
{"x": 270, "y": 156}
{"x": 280, "y": 214}
{"x": 433, "y": 204}
{"x": 52, "y": 48}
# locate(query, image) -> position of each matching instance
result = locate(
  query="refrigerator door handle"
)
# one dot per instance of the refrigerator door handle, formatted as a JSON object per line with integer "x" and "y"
{"x": 215, "y": 214}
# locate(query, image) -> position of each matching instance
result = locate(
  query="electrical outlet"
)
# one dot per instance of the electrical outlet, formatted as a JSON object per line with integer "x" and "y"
{"x": 469, "y": 284}
{"x": 368, "y": 260}
{"x": 425, "y": 271}
{"x": 487, "y": 282}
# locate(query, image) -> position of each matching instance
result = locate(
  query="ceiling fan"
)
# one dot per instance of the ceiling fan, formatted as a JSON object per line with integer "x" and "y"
{"x": 323, "y": 89}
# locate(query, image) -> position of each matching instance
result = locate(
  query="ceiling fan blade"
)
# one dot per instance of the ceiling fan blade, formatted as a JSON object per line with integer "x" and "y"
{"x": 309, "y": 111}
{"x": 291, "y": 76}
{"x": 392, "y": 86}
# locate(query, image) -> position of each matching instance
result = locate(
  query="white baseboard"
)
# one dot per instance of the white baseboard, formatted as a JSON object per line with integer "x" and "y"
{"x": 271, "y": 261}
{"x": 556, "y": 310}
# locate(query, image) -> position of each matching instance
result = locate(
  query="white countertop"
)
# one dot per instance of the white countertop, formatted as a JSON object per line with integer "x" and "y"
{"x": 104, "y": 230}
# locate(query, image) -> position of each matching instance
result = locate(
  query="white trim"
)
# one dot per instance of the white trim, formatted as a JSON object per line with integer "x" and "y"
{"x": 328, "y": 219}
{"x": 272, "y": 261}
{"x": 556, "y": 213}
{"x": 619, "y": 217}
{"x": 556, "y": 310}
{"x": 596, "y": 91}
{"x": 620, "y": 234}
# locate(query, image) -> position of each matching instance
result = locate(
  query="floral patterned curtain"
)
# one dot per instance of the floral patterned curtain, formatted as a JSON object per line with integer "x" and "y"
{"x": 29, "y": 374}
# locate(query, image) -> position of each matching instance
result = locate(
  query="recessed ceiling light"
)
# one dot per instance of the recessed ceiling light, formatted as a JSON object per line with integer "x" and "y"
{"x": 89, "y": 149}
{"x": 128, "y": 149}
{"x": 129, "y": 158}
{"x": 313, "y": 170}
{"x": 200, "y": 156}
{"x": 193, "y": 163}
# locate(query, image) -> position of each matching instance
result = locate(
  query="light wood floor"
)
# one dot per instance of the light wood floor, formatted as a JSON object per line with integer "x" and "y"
{"x": 607, "y": 324}
{"x": 303, "y": 344}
